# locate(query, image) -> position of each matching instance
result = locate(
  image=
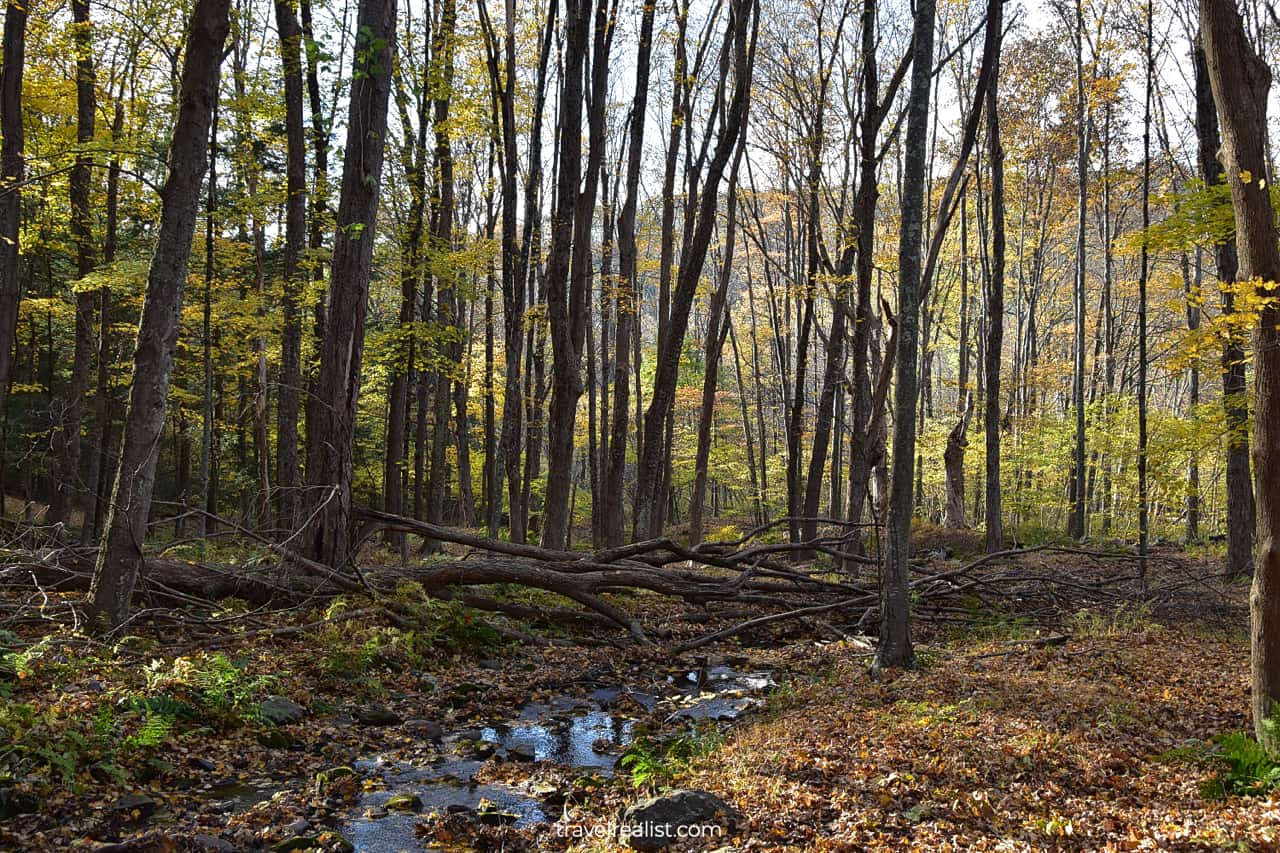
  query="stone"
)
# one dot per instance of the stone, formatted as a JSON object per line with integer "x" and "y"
{"x": 325, "y": 778}
{"x": 138, "y": 806}
{"x": 656, "y": 823}
{"x": 490, "y": 813}
{"x": 204, "y": 764}
{"x": 376, "y": 715}
{"x": 280, "y": 711}
{"x": 337, "y": 843}
{"x": 295, "y": 842}
{"x": 521, "y": 753}
{"x": 213, "y": 844}
{"x": 298, "y": 827}
{"x": 424, "y": 730}
{"x": 404, "y": 803}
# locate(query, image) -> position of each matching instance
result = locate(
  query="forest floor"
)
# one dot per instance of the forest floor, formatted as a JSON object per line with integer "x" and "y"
{"x": 998, "y": 741}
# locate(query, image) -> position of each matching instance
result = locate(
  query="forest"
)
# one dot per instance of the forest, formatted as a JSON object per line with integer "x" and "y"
{"x": 590, "y": 425}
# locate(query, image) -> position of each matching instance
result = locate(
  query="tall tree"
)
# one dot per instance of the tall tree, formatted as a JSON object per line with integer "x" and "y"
{"x": 627, "y": 326}
{"x": 11, "y": 176}
{"x": 740, "y": 38}
{"x": 1241, "y": 84}
{"x": 994, "y": 345}
{"x": 330, "y": 445}
{"x": 120, "y": 556}
{"x": 894, "y": 649}
{"x": 1078, "y": 525}
{"x": 295, "y": 224}
{"x": 70, "y": 488}
{"x": 1235, "y": 402}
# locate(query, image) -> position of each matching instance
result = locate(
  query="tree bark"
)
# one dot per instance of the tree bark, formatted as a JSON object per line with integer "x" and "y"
{"x": 953, "y": 462}
{"x": 120, "y": 557}
{"x": 70, "y": 488}
{"x": 894, "y": 649}
{"x": 1241, "y": 83}
{"x": 1235, "y": 402}
{"x": 330, "y": 448}
{"x": 11, "y": 176}
{"x": 629, "y": 291}
{"x": 994, "y": 348}
{"x": 295, "y": 224}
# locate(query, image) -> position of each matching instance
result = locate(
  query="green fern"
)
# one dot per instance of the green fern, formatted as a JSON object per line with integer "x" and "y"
{"x": 155, "y": 730}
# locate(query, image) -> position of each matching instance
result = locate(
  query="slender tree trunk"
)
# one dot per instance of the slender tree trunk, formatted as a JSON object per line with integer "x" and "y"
{"x": 295, "y": 224}
{"x": 70, "y": 488}
{"x": 331, "y": 447}
{"x": 1144, "y": 518}
{"x": 1078, "y": 525}
{"x": 627, "y": 325}
{"x": 894, "y": 649}
{"x": 994, "y": 347}
{"x": 100, "y": 460}
{"x": 718, "y": 323}
{"x": 11, "y": 177}
{"x": 209, "y": 438}
{"x": 1235, "y": 402}
{"x": 120, "y": 557}
{"x": 953, "y": 463}
{"x": 743, "y": 22}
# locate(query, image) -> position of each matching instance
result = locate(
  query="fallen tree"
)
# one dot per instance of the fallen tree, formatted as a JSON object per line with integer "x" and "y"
{"x": 753, "y": 583}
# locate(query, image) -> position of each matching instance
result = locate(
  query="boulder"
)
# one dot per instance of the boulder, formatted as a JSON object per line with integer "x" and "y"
{"x": 677, "y": 816}
{"x": 280, "y": 711}
{"x": 376, "y": 715}
{"x": 424, "y": 730}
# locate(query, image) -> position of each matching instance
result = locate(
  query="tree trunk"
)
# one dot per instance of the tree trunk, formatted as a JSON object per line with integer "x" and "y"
{"x": 120, "y": 557}
{"x": 70, "y": 487}
{"x": 718, "y": 323}
{"x": 894, "y": 649}
{"x": 627, "y": 325}
{"x": 1144, "y": 517}
{"x": 1078, "y": 526}
{"x": 1235, "y": 402}
{"x": 1241, "y": 82}
{"x": 295, "y": 224}
{"x": 953, "y": 463}
{"x": 11, "y": 177}
{"x": 743, "y": 22}
{"x": 330, "y": 449}
{"x": 994, "y": 346}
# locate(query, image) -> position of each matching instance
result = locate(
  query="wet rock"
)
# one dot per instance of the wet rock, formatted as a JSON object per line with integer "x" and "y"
{"x": 213, "y": 844}
{"x": 136, "y": 806}
{"x": 295, "y": 842}
{"x": 376, "y": 715}
{"x": 656, "y": 822}
{"x": 522, "y": 753}
{"x": 298, "y": 827}
{"x": 404, "y": 803}
{"x": 204, "y": 764}
{"x": 491, "y": 814}
{"x": 325, "y": 778}
{"x": 337, "y": 843}
{"x": 280, "y": 711}
{"x": 424, "y": 729}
